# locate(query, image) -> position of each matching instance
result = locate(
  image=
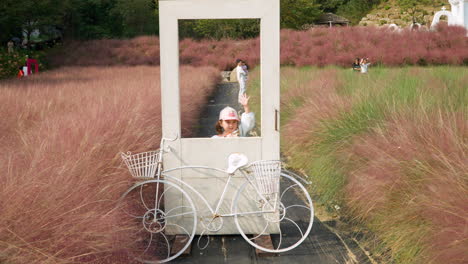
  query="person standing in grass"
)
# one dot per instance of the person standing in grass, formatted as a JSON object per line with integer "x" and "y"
{"x": 241, "y": 78}
{"x": 20, "y": 73}
{"x": 357, "y": 65}
{"x": 365, "y": 65}
{"x": 246, "y": 70}
{"x": 10, "y": 46}
{"x": 229, "y": 124}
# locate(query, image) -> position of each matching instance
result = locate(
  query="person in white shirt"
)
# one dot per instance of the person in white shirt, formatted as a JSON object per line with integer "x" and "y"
{"x": 229, "y": 124}
{"x": 241, "y": 77}
{"x": 365, "y": 65}
{"x": 246, "y": 70}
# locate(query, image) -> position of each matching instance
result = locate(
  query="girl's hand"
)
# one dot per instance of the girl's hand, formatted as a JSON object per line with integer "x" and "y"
{"x": 244, "y": 101}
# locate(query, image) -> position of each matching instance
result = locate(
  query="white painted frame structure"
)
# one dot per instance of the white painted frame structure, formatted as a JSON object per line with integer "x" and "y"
{"x": 207, "y": 151}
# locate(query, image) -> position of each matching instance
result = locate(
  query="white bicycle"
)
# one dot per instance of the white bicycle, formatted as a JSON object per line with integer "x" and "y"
{"x": 278, "y": 205}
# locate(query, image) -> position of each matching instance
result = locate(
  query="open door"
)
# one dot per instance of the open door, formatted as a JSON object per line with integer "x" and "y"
{"x": 207, "y": 151}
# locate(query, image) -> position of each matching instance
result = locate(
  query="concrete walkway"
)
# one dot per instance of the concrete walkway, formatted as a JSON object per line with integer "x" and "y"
{"x": 322, "y": 246}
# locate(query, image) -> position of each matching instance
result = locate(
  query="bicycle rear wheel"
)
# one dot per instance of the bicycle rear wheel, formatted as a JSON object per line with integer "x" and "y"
{"x": 287, "y": 216}
{"x": 157, "y": 222}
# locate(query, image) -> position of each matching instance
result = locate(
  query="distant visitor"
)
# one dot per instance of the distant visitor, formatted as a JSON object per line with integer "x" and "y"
{"x": 365, "y": 65}
{"x": 242, "y": 72}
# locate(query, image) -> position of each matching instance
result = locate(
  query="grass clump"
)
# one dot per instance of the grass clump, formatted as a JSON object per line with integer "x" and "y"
{"x": 388, "y": 148}
{"x": 61, "y": 135}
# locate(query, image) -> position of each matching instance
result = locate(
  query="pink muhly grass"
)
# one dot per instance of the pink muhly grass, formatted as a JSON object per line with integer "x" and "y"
{"x": 412, "y": 174}
{"x": 317, "y": 46}
{"x": 319, "y": 101}
{"x": 404, "y": 176}
{"x": 61, "y": 136}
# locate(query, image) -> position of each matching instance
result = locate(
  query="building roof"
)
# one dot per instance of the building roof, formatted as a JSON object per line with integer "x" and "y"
{"x": 326, "y": 18}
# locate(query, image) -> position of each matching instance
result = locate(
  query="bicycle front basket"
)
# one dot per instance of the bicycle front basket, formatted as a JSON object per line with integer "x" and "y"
{"x": 142, "y": 165}
{"x": 265, "y": 174}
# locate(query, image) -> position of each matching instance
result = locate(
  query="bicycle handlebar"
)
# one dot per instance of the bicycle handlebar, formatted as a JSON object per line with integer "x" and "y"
{"x": 168, "y": 139}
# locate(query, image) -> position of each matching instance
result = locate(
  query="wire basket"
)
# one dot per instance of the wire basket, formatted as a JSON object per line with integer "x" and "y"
{"x": 265, "y": 174}
{"x": 142, "y": 165}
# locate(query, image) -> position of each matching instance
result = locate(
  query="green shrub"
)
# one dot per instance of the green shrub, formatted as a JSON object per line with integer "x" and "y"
{"x": 10, "y": 62}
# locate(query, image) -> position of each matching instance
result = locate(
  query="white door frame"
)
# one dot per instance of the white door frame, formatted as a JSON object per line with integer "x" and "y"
{"x": 207, "y": 151}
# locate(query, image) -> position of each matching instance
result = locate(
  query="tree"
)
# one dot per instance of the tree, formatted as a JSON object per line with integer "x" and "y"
{"x": 412, "y": 7}
{"x": 296, "y": 13}
{"x": 224, "y": 28}
{"x": 139, "y": 17}
{"x": 331, "y": 5}
{"x": 354, "y": 10}
{"x": 29, "y": 15}
{"x": 92, "y": 19}
{"x": 9, "y": 24}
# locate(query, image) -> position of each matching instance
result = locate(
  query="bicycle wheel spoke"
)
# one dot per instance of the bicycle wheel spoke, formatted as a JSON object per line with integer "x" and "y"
{"x": 285, "y": 190}
{"x": 181, "y": 227}
{"x": 149, "y": 244}
{"x": 281, "y": 237}
{"x": 263, "y": 231}
{"x": 295, "y": 225}
{"x": 168, "y": 245}
{"x": 162, "y": 195}
{"x": 173, "y": 209}
{"x": 142, "y": 199}
{"x": 297, "y": 205}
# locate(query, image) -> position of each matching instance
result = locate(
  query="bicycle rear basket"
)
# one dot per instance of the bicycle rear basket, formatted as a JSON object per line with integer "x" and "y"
{"x": 142, "y": 165}
{"x": 265, "y": 174}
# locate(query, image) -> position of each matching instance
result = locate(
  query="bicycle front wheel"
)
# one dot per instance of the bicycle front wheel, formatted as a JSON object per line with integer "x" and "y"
{"x": 158, "y": 221}
{"x": 286, "y": 216}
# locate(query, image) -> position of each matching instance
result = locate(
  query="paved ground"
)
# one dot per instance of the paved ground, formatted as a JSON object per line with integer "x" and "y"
{"x": 322, "y": 246}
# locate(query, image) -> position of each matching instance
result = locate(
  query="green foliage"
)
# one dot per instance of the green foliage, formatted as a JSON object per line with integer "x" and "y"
{"x": 80, "y": 19}
{"x": 92, "y": 19}
{"x": 95, "y": 19}
{"x": 413, "y": 7}
{"x": 355, "y": 10}
{"x": 10, "y": 62}
{"x": 331, "y": 5}
{"x": 295, "y": 13}
{"x": 139, "y": 17}
{"x": 17, "y": 18}
{"x": 219, "y": 28}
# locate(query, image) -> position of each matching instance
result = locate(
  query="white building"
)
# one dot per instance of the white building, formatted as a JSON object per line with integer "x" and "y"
{"x": 458, "y": 16}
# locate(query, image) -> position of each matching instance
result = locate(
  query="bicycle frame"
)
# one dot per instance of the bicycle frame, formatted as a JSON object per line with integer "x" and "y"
{"x": 213, "y": 211}
{"x": 163, "y": 175}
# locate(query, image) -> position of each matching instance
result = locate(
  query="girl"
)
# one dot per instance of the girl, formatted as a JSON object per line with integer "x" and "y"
{"x": 229, "y": 124}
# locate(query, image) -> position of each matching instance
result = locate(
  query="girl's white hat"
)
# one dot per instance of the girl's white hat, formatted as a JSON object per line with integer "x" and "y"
{"x": 228, "y": 113}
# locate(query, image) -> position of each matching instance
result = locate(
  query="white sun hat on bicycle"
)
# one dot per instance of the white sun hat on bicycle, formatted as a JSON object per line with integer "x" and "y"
{"x": 235, "y": 161}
